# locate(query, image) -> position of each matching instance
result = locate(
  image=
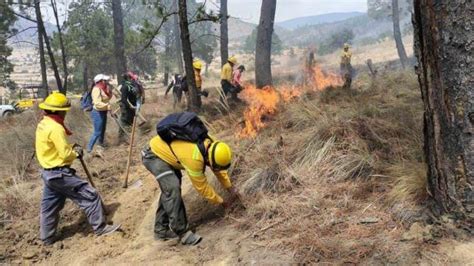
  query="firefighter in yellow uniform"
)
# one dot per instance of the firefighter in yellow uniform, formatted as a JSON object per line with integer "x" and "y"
{"x": 226, "y": 78}
{"x": 346, "y": 67}
{"x": 197, "y": 66}
{"x": 165, "y": 162}
{"x": 55, "y": 155}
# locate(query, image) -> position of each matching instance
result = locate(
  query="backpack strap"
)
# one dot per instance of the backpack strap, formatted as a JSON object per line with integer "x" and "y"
{"x": 174, "y": 154}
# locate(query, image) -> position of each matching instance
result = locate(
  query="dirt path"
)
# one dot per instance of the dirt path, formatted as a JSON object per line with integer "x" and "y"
{"x": 135, "y": 209}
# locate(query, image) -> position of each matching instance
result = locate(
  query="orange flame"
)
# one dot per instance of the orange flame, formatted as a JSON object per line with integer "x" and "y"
{"x": 261, "y": 102}
{"x": 323, "y": 79}
{"x": 264, "y": 102}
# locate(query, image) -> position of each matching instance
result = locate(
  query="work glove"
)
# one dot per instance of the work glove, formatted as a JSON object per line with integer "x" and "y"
{"x": 78, "y": 150}
{"x": 233, "y": 199}
{"x": 138, "y": 106}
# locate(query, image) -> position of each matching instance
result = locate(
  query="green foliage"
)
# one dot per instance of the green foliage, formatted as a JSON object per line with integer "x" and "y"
{"x": 251, "y": 42}
{"x": 336, "y": 41}
{"x": 382, "y": 9}
{"x": 138, "y": 60}
{"x": 7, "y": 19}
{"x": 88, "y": 38}
{"x": 205, "y": 43}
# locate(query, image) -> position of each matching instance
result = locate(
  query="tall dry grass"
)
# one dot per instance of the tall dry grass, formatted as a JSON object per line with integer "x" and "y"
{"x": 323, "y": 156}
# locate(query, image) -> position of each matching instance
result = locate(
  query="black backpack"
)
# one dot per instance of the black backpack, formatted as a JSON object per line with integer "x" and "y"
{"x": 185, "y": 126}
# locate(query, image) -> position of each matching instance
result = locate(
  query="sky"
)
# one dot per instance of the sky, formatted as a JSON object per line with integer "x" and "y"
{"x": 249, "y": 10}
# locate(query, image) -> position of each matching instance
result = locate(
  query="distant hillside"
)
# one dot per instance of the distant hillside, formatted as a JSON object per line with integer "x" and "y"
{"x": 315, "y": 20}
{"x": 239, "y": 29}
{"x": 366, "y": 30}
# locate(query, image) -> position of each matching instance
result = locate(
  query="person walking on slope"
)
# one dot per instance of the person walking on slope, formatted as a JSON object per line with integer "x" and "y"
{"x": 226, "y": 77}
{"x": 55, "y": 155}
{"x": 197, "y": 65}
{"x": 165, "y": 156}
{"x": 346, "y": 67}
{"x": 101, "y": 95}
{"x": 132, "y": 95}
{"x": 176, "y": 84}
{"x": 236, "y": 83}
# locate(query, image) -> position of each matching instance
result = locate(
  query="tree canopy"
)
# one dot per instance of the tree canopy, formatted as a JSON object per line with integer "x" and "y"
{"x": 251, "y": 42}
{"x": 7, "y": 19}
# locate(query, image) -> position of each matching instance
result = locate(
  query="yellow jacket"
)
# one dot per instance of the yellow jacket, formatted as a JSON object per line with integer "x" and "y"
{"x": 100, "y": 100}
{"x": 52, "y": 148}
{"x": 197, "y": 76}
{"x": 226, "y": 73}
{"x": 190, "y": 160}
{"x": 346, "y": 57}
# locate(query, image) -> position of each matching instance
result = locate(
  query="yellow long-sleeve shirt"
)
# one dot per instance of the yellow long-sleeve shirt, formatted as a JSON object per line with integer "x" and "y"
{"x": 197, "y": 76}
{"x": 100, "y": 100}
{"x": 226, "y": 72}
{"x": 190, "y": 160}
{"x": 346, "y": 57}
{"x": 52, "y": 148}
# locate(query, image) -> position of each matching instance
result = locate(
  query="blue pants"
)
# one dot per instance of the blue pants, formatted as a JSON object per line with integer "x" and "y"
{"x": 63, "y": 183}
{"x": 99, "y": 120}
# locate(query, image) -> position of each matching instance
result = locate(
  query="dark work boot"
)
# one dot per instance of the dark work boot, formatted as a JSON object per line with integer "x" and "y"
{"x": 190, "y": 238}
{"x": 50, "y": 241}
{"x": 108, "y": 229}
{"x": 166, "y": 235}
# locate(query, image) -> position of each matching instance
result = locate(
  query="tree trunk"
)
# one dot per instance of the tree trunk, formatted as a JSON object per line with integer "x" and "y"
{"x": 397, "y": 34}
{"x": 61, "y": 44}
{"x": 224, "y": 33}
{"x": 43, "y": 92}
{"x": 188, "y": 57}
{"x": 166, "y": 66}
{"x": 119, "y": 40}
{"x": 42, "y": 31}
{"x": 85, "y": 77}
{"x": 444, "y": 39}
{"x": 263, "y": 51}
{"x": 177, "y": 39}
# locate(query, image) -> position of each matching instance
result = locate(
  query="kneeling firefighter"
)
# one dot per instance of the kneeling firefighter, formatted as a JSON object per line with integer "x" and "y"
{"x": 183, "y": 143}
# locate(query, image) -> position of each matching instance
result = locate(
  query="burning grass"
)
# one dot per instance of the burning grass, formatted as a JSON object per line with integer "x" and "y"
{"x": 298, "y": 172}
{"x": 265, "y": 102}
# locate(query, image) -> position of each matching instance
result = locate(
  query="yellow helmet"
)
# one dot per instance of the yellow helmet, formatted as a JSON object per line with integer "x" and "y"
{"x": 56, "y": 101}
{"x": 232, "y": 59}
{"x": 346, "y": 46}
{"x": 197, "y": 64}
{"x": 219, "y": 155}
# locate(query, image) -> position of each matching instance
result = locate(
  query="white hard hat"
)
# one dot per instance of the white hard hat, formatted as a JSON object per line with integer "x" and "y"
{"x": 101, "y": 77}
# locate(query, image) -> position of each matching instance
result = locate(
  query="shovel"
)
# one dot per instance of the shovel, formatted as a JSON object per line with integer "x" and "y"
{"x": 89, "y": 177}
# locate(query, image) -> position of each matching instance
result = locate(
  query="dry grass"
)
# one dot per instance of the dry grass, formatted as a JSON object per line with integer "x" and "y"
{"x": 299, "y": 173}
{"x": 326, "y": 162}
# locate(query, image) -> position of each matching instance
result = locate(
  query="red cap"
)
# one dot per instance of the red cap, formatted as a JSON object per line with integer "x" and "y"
{"x": 132, "y": 75}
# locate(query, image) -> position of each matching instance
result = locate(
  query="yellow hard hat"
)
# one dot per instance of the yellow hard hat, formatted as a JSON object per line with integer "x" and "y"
{"x": 197, "y": 64}
{"x": 346, "y": 46}
{"x": 56, "y": 101}
{"x": 220, "y": 155}
{"x": 232, "y": 59}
